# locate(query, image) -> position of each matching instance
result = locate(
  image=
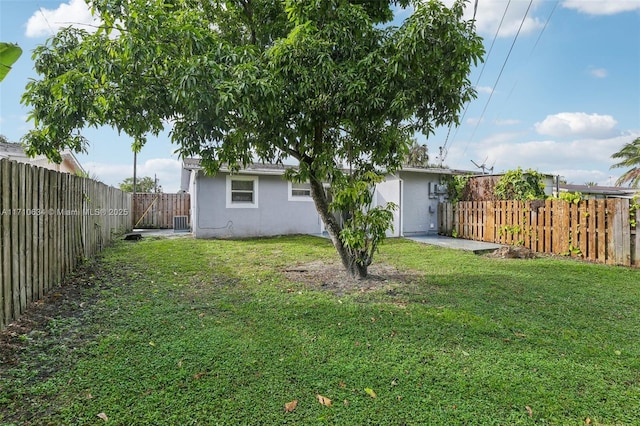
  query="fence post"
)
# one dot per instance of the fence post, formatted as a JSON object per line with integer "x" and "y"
{"x": 635, "y": 252}
{"x": 45, "y": 229}
{"x": 5, "y": 255}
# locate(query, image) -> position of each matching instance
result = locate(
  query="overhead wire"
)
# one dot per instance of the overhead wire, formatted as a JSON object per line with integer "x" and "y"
{"x": 41, "y": 10}
{"x": 484, "y": 64}
{"x": 495, "y": 84}
{"x": 535, "y": 45}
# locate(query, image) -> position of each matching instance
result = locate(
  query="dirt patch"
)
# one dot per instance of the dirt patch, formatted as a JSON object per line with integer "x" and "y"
{"x": 512, "y": 252}
{"x": 56, "y": 320}
{"x": 331, "y": 276}
{"x": 49, "y": 337}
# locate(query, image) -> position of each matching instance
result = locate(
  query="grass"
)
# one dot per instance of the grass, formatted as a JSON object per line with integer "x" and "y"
{"x": 183, "y": 331}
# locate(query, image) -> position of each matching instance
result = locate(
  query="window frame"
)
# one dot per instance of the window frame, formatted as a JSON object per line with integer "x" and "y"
{"x": 242, "y": 204}
{"x": 292, "y": 197}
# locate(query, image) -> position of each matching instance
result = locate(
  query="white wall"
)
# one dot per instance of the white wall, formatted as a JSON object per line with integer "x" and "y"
{"x": 275, "y": 214}
{"x": 419, "y": 204}
{"x": 390, "y": 191}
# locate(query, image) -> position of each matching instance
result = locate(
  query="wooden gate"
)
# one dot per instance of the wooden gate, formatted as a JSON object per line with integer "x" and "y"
{"x": 151, "y": 210}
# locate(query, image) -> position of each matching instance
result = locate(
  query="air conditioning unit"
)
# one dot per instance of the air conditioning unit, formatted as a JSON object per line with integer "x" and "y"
{"x": 180, "y": 224}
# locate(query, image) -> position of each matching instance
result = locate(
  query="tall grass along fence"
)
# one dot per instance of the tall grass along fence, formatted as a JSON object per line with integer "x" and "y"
{"x": 603, "y": 231}
{"x": 49, "y": 222}
{"x": 151, "y": 210}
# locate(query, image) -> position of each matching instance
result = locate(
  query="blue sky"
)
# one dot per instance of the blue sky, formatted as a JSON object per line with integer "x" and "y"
{"x": 560, "y": 97}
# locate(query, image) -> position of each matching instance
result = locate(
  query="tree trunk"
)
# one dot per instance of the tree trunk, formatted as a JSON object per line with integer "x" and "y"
{"x": 353, "y": 268}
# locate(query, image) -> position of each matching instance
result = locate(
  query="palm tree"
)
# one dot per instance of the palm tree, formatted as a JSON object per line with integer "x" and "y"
{"x": 630, "y": 156}
{"x": 418, "y": 156}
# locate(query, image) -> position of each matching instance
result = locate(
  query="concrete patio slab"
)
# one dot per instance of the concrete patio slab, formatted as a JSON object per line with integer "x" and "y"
{"x": 169, "y": 233}
{"x": 478, "y": 247}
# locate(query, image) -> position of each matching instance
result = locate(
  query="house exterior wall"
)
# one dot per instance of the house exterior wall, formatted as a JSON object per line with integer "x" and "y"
{"x": 419, "y": 203}
{"x": 274, "y": 214}
{"x": 390, "y": 191}
{"x": 67, "y": 166}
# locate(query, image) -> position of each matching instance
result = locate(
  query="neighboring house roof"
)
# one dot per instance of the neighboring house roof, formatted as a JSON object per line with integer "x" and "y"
{"x": 434, "y": 170}
{"x": 14, "y": 151}
{"x": 602, "y": 191}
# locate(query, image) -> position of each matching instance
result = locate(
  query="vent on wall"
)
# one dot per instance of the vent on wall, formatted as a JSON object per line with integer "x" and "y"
{"x": 180, "y": 224}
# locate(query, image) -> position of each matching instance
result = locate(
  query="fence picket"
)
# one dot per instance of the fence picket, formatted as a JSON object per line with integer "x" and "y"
{"x": 151, "y": 210}
{"x": 14, "y": 242}
{"x": 45, "y": 231}
{"x": 6, "y": 312}
{"x": 635, "y": 253}
{"x": 597, "y": 230}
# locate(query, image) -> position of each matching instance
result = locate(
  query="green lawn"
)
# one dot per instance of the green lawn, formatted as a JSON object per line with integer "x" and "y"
{"x": 182, "y": 331}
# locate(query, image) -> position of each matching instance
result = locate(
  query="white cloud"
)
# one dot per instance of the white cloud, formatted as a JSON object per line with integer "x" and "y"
{"x": 474, "y": 120}
{"x": 45, "y": 22}
{"x": 598, "y": 72}
{"x": 577, "y": 124}
{"x": 582, "y": 176}
{"x": 484, "y": 89}
{"x": 506, "y": 122}
{"x": 490, "y": 12}
{"x": 167, "y": 171}
{"x": 602, "y": 7}
{"x": 578, "y": 161}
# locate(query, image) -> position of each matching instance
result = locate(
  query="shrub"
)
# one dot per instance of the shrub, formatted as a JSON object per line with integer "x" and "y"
{"x": 520, "y": 185}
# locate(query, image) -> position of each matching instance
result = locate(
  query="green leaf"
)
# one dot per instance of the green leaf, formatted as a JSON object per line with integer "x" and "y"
{"x": 318, "y": 82}
{"x": 9, "y": 54}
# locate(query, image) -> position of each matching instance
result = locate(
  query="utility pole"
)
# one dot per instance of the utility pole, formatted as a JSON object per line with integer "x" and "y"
{"x": 135, "y": 165}
{"x": 442, "y": 155}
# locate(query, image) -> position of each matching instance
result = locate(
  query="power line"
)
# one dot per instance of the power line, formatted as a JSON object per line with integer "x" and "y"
{"x": 484, "y": 110}
{"x": 546, "y": 23}
{"x": 484, "y": 64}
{"x": 534, "y": 46}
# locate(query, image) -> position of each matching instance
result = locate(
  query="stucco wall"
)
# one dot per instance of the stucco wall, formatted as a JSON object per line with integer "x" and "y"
{"x": 390, "y": 191}
{"x": 274, "y": 215}
{"x": 419, "y": 211}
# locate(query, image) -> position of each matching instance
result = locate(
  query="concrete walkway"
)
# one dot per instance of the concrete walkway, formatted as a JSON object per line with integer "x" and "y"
{"x": 478, "y": 247}
{"x": 169, "y": 233}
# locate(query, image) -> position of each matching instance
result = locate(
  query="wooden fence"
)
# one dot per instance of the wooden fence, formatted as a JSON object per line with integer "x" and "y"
{"x": 151, "y": 210}
{"x": 49, "y": 222}
{"x": 597, "y": 230}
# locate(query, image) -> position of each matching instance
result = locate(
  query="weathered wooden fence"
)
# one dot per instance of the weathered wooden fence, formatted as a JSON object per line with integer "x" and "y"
{"x": 151, "y": 210}
{"x": 597, "y": 230}
{"x": 49, "y": 222}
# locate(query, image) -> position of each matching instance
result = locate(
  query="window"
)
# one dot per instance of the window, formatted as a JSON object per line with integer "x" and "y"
{"x": 242, "y": 191}
{"x": 300, "y": 191}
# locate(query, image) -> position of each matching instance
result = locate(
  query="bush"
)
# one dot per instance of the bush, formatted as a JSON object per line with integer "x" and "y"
{"x": 520, "y": 185}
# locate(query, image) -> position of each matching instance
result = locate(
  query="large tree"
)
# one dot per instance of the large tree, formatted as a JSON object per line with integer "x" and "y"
{"x": 629, "y": 156}
{"x": 329, "y": 83}
{"x": 143, "y": 184}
